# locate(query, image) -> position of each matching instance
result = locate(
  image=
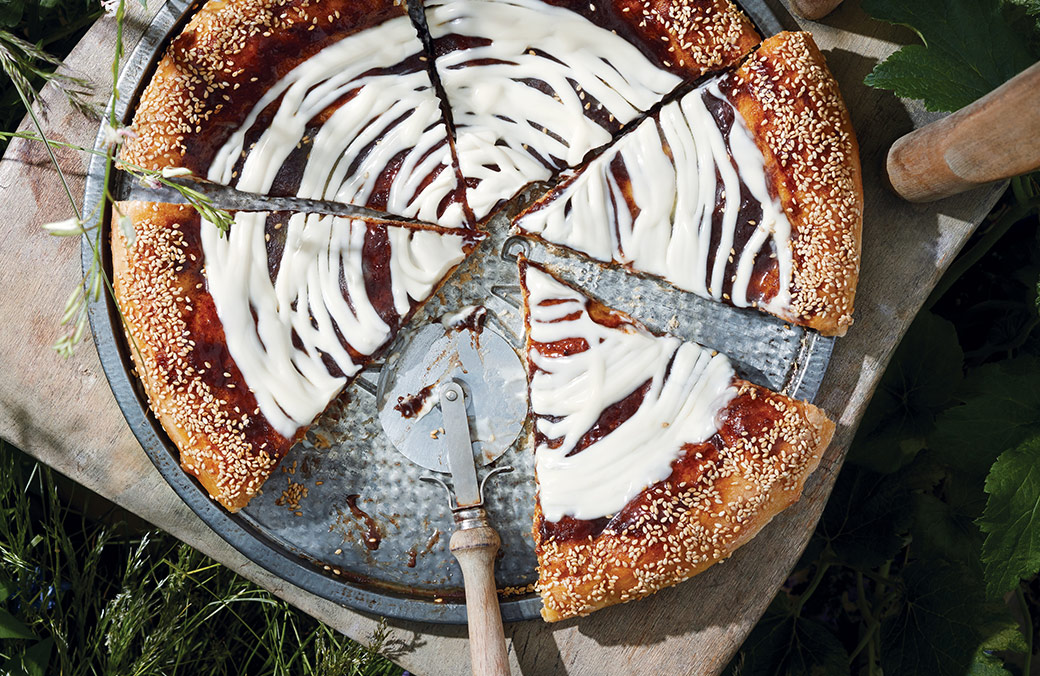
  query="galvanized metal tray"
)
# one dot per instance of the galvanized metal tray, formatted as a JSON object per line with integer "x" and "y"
{"x": 346, "y": 516}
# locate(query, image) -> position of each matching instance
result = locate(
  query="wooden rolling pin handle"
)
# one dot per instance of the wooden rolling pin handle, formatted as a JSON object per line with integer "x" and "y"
{"x": 475, "y": 545}
{"x": 814, "y": 9}
{"x": 992, "y": 139}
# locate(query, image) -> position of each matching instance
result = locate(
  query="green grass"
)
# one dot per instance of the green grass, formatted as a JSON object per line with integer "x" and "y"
{"x": 90, "y": 596}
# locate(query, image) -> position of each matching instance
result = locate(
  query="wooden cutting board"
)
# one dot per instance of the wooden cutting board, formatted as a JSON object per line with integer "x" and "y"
{"x": 63, "y": 412}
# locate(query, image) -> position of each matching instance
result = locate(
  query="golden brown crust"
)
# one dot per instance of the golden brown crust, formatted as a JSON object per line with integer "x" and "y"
{"x": 178, "y": 347}
{"x": 720, "y": 494}
{"x": 688, "y": 37}
{"x": 794, "y": 108}
{"x": 716, "y": 500}
{"x": 227, "y": 57}
{"x": 702, "y": 35}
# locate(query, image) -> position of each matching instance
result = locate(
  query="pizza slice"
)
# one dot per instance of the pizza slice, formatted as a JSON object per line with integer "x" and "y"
{"x": 654, "y": 459}
{"x": 746, "y": 190}
{"x": 534, "y": 85}
{"x": 329, "y": 100}
{"x": 242, "y": 339}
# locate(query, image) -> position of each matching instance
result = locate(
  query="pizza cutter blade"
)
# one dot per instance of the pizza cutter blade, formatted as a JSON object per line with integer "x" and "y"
{"x": 482, "y": 362}
{"x": 475, "y": 377}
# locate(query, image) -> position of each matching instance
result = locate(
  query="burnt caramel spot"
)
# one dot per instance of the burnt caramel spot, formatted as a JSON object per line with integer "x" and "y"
{"x": 373, "y": 536}
{"x": 274, "y": 233}
{"x": 765, "y": 279}
{"x": 624, "y": 181}
{"x": 453, "y": 42}
{"x": 561, "y": 348}
{"x": 569, "y": 529}
{"x": 765, "y": 276}
{"x": 375, "y": 258}
{"x": 604, "y": 316}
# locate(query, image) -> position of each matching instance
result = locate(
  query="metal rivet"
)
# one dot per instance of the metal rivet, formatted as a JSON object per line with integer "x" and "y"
{"x": 451, "y": 395}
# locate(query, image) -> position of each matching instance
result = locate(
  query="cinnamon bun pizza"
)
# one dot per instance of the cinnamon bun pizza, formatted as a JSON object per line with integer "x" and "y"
{"x": 746, "y": 190}
{"x": 681, "y": 146}
{"x": 654, "y": 459}
{"x": 242, "y": 339}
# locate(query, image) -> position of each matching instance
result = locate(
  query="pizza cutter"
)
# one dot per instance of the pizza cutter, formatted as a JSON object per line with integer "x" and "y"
{"x": 476, "y": 379}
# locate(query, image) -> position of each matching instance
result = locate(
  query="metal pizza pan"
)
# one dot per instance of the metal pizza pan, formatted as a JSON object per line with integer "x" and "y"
{"x": 369, "y": 535}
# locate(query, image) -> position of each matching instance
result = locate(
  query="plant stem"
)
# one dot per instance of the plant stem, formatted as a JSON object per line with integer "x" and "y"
{"x": 57, "y": 144}
{"x": 39, "y": 129}
{"x": 868, "y": 636}
{"x": 1028, "y": 618}
{"x": 821, "y": 570}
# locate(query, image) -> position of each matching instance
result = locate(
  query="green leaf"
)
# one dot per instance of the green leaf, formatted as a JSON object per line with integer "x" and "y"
{"x": 1001, "y": 409}
{"x": 1012, "y": 518}
{"x": 940, "y": 533}
{"x": 1032, "y": 7}
{"x": 970, "y": 48}
{"x": 867, "y": 518}
{"x": 784, "y": 645}
{"x": 34, "y": 661}
{"x": 1005, "y": 636}
{"x": 942, "y": 622}
{"x": 985, "y": 664}
{"x": 925, "y": 369}
{"x": 12, "y": 627}
{"x": 11, "y": 13}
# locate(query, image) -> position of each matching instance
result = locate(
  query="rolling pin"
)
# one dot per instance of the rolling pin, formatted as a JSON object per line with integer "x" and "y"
{"x": 992, "y": 139}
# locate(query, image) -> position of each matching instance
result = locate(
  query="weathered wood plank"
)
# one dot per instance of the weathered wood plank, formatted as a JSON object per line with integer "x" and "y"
{"x": 63, "y": 412}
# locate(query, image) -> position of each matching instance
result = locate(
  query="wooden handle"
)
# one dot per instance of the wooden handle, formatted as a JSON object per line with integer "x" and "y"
{"x": 814, "y": 9}
{"x": 992, "y": 139}
{"x": 475, "y": 548}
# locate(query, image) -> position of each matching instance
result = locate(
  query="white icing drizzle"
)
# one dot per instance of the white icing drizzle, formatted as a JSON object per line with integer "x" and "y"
{"x": 671, "y": 161}
{"x": 503, "y": 124}
{"x": 688, "y": 387}
{"x": 387, "y": 113}
{"x": 319, "y": 294}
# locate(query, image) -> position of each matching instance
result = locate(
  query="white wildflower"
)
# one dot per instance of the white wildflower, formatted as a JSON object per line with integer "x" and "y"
{"x": 110, "y": 6}
{"x": 114, "y": 136}
{"x": 73, "y": 305}
{"x": 66, "y": 228}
